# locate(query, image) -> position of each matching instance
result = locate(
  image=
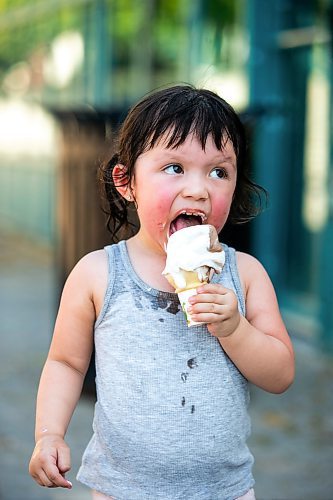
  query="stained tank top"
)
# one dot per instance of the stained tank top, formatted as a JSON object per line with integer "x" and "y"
{"x": 171, "y": 418}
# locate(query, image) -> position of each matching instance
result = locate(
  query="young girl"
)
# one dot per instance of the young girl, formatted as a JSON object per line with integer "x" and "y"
{"x": 171, "y": 418}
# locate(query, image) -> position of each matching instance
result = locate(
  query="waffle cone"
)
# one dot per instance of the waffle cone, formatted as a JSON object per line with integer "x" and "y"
{"x": 191, "y": 278}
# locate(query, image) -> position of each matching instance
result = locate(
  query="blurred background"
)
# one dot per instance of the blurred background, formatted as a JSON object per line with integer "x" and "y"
{"x": 69, "y": 70}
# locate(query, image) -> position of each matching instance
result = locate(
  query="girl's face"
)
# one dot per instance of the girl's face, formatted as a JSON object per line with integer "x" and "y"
{"x": 174, "y": 188}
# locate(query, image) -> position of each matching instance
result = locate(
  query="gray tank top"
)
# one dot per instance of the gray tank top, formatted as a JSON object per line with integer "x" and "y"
{"x": 171, "y": 418}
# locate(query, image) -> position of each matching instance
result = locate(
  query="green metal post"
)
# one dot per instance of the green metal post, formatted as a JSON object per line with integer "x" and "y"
{"x": 268, "y": 94}
{"x": 326, "y": 283}
{"x": 97, "y": 80}
{"x": 103, "y": 56}
{"x": 279, "y": 130}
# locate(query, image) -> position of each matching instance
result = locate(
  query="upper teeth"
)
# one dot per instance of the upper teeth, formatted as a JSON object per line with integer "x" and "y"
{"x": 199, "y": 214}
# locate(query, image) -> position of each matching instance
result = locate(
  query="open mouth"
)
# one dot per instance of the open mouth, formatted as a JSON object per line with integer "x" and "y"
{"x": 187, "y": 219}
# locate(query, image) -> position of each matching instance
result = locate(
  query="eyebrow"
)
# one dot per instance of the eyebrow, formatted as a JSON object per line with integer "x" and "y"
{"x": 227, "y": 159}
{"x": 230, "y": 159}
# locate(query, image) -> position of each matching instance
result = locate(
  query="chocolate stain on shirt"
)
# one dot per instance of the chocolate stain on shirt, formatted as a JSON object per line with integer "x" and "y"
{"x": 192, "y": 363}
{"x": 171, "y": 305}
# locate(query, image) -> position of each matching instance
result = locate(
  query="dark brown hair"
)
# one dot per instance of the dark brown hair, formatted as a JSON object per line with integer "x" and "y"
{"x": 175, "y": 112}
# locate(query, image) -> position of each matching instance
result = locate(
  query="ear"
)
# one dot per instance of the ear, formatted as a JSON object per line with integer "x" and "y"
{"x": 121, "y": 181}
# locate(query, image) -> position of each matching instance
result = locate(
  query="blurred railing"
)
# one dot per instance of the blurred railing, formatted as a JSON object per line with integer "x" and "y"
{"x": 80, "y": 222}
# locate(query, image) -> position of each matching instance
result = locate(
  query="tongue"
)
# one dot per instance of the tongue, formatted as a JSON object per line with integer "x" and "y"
{"x": 183, "y": 221}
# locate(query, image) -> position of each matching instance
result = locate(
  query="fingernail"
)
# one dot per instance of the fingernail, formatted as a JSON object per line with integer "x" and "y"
{"x": 70, "y": 484}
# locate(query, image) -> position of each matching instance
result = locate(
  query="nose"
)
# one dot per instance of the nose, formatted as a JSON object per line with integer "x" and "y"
{"x": 195, "y": 187}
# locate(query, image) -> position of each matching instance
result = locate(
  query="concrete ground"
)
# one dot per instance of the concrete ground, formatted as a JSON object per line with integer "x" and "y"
{"x": 292, "y": 436}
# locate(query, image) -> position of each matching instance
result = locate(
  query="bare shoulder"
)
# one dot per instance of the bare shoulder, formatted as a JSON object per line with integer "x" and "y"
{"x": 250, "y": 269}
{"x": 247, "y": 259}
{"x": 90, "y": 268}
{"x": 89, "y": 278}
{"x": 92, "y": 263}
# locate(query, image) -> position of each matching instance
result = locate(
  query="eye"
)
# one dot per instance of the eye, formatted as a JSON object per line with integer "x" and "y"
{"x": 173, "y": 169}
{"x": 219, "y": 173}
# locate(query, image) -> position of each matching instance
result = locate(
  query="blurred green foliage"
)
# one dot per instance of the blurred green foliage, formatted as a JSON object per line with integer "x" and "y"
{"x": 27, "y": 26}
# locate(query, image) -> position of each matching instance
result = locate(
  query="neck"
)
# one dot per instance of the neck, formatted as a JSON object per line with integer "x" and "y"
{"x": 148, "y": 263}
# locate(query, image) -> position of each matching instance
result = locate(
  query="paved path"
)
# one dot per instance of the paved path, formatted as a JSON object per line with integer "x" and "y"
{"x": 292, "y": 433}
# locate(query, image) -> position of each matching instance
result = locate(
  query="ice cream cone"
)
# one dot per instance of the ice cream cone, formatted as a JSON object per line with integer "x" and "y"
{"x": 183, "y": 296}
{"x": 193, "y": 255}
{"x": 191, "y": 279}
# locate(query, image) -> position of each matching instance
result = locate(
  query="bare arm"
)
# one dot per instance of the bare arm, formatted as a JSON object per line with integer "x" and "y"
{"x": 64, "y": 371}
{"x": 258, "y": 344}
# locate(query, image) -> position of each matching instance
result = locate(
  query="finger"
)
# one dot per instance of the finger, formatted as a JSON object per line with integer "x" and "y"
{"x": 64, "y": 459}
{"x": 213, "y": 288}
{"x": 208, "y": 318}
{"x": 206, "y": 308}
{"x": 56, "y": 478}
{"x": 207, "y": 298}
{"x": 43, "y": 480}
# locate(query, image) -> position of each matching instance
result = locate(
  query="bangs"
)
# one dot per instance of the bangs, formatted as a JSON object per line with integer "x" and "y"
{"x": 197, "y": 112}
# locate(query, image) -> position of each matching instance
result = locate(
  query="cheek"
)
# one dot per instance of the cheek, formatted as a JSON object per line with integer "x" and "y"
{"x": 164, "y": 199}
{"x": 221, "y": 209}
{"x": 155, "y": 210}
